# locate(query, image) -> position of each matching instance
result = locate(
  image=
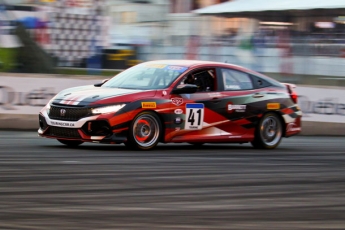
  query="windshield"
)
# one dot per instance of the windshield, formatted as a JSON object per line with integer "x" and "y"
{"x": 146, "y": 76}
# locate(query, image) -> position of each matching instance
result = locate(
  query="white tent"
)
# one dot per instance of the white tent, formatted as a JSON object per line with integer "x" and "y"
{"x": 238, "y": 6}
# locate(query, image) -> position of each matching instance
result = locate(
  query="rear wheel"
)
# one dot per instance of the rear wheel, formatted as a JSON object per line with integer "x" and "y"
{"x": 145, "y": 131}
{"x": 269, "y": 132}
{"x": 70, "y": 143}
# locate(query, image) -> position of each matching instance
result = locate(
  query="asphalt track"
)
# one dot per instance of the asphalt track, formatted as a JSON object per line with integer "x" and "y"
{"x": 45, "y": 185}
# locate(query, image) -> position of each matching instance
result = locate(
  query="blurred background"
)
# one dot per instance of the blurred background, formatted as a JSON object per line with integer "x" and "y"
{"x": 290, "y": 40}
{"x": 50, "y": 45}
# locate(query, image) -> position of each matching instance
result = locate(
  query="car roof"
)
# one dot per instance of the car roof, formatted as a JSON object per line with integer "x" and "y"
{"x": 191, "y": 63}
{"x": 199, "y": 63}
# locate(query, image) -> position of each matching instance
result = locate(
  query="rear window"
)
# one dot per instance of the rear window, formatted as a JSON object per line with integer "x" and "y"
{"x": 264, "y": 81}
{"x": 260, "y": 83}
{"x": 236, "y": 80}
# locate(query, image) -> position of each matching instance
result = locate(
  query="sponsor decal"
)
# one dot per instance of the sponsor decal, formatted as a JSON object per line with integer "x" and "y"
{"x": 235, "y": 136}
{"x": 178, "y": 111}
{"x": 291, "y": 128}
{"x": 232, "y": 87}
{"x": 157, "y": 66}
{"x": 215, "y": 94}
{"x": 237, "y": 108}
{"x": 164, "y": 93}
{"x": 178, "y": 120}
{"x": 273, "y": 105}
{"x": 177, "y": 68}
{"x": 148, "y": 105}
{"x": 194, "y": 116}
{"x": 62, "y": 124}
{"x": 177, "y": 101}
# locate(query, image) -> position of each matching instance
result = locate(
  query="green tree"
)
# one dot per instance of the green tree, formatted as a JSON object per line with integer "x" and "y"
{"x": 31, "y": 58}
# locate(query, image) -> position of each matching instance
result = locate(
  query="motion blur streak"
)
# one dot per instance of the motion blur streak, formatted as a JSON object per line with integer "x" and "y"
{"x": 45, "y": 185}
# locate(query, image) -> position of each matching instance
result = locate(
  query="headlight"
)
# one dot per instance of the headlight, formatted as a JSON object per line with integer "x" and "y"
{"x": 47, "y": 107}
{"x": 107, "y": 109}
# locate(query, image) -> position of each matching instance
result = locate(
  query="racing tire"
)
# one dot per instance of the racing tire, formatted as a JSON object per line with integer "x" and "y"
{"x": 269, "y": 132}
{"x": 145, "y": 131}
{"x": 70, "y": 143}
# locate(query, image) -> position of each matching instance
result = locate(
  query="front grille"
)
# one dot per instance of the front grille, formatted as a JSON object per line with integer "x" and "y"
{"x": 70, "y": 113}
{"x": 63, "y": 132}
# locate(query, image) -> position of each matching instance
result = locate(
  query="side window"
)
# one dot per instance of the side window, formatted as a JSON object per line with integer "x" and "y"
{"x": 236, "y": 80}
{"x": 259, "y": 82}
{"x": 205, "y": 79}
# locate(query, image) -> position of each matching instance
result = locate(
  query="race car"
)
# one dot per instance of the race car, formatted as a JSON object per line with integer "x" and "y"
{"x": 175, "y": 101}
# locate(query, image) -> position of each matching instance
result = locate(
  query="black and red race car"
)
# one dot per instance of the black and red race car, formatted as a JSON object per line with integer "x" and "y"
{"x": 175, "y": 101}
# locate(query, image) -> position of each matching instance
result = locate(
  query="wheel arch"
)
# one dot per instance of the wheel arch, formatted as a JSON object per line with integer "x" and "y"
{"x": 162, "y": 120}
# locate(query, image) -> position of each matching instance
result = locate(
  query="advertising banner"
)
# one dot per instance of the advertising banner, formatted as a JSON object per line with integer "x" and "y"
{"x": 24, "y": 95}
{"x": 322, "y": 104}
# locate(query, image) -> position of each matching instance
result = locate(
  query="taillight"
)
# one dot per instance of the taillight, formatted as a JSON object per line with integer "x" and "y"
{"x": 293, "y": 93}
{"x": 294, "y": 96}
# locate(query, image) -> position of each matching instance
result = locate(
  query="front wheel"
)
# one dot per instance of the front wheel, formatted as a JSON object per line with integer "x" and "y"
{"x": 269, "y": 132}
{"x": 70, "y": 143}
{"x": 145, "y": 131}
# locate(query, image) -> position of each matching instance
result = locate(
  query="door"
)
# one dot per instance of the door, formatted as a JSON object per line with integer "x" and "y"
{"x": 194, "y": 115}
{"x": 238, "y": 103}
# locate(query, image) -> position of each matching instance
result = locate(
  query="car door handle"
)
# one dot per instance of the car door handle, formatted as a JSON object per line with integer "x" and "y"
{"x": 258, "y": 95}
{"x": 215, "y": 100}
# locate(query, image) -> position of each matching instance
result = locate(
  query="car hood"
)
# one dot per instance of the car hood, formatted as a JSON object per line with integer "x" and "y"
{"x": 87, "y": 95}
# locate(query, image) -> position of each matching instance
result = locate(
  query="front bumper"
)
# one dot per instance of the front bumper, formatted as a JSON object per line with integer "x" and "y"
{"x": 88, "y": 129}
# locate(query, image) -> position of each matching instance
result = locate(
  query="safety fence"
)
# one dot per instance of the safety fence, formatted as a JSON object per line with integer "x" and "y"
{"x": 267, "y": 60}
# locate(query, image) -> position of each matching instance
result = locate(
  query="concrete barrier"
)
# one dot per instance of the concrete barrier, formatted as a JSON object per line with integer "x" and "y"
{"x": 18, "y": 122}
{"x": 313, "y": 128}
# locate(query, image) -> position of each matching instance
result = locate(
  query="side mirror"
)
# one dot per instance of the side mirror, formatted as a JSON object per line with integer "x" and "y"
{"x": 100, "y": 84}
{"x": 183, "y": 89}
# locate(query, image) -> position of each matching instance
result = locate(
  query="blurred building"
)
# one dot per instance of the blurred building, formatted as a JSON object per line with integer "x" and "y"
{"x": 183, "y": 23}
{"x": 125, "y": 32}
{"x": 136, "y": 22}
{"x": 163, "y": 21}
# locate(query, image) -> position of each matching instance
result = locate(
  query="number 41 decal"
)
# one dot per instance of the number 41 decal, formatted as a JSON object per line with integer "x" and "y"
{"x": 194, "y": 116}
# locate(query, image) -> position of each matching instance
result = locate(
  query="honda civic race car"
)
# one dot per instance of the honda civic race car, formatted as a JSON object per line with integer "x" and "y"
{"x": 175, "y": 101}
